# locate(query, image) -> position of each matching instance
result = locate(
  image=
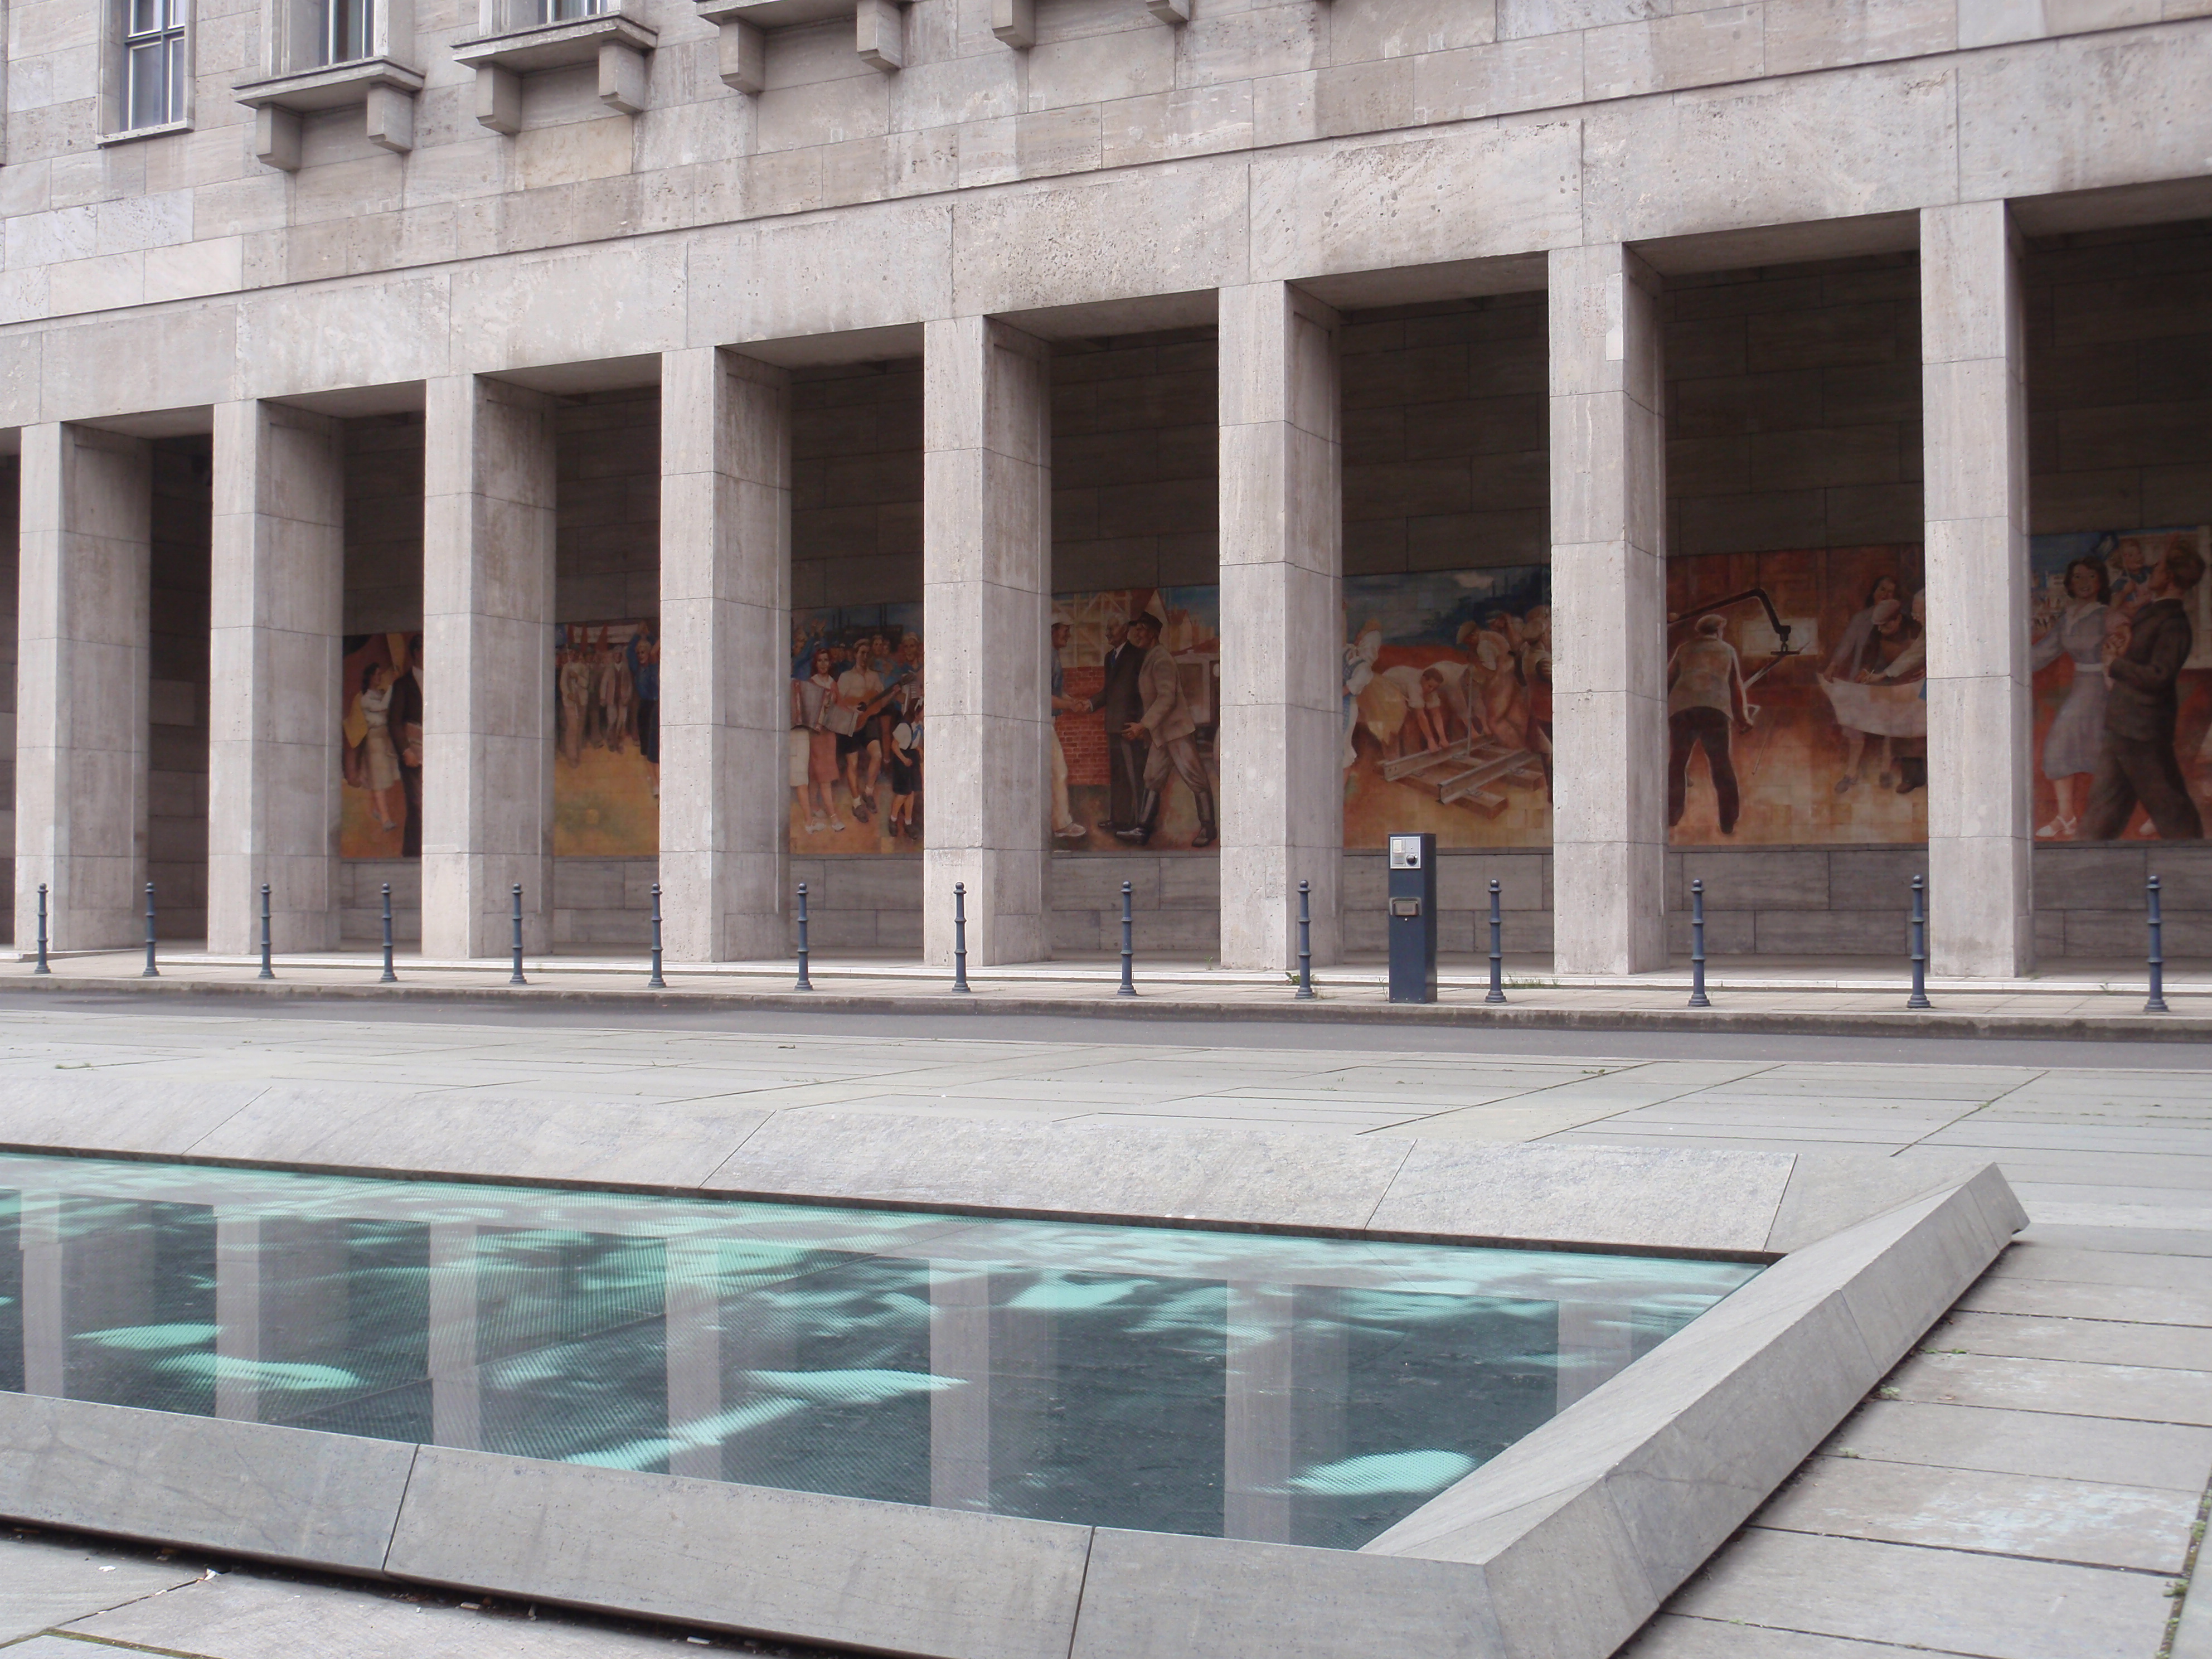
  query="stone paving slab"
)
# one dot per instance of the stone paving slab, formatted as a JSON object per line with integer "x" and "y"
{"x": 2107, "y": 1342}
{"x": 1914, "y": 1596}
{"x": 1675, "y": 1636}
{"x": 2145, "y": 1393}
{"x": 2177, "y": 1457}
{"x": 43, "y": 1584}
{"x": 2092, "y": 1524}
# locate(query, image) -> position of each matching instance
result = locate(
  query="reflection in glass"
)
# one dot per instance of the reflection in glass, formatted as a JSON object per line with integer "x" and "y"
{"x": 342, "y": 34}
{"x": 1303, "y": 1390}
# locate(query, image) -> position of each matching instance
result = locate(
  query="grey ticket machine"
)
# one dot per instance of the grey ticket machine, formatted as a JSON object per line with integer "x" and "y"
{"x": 1413, "y": 918}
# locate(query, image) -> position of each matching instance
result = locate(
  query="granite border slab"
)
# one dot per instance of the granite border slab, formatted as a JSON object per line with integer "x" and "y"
{"x": 1559, "y": 1548}
{"x": 279, "y": 1494}
{"x": 1471, "y": 1016}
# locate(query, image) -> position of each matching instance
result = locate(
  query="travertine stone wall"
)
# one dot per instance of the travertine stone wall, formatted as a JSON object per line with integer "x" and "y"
{"x": 1106, "y": 86}
{"x": 1446, "y": 445}
{"x": 177, "y": 689}
{"x": 1136, "y": 462}
{"x": 2119, "y": 377}
{"x": 384, "y": 524}
{"x": 10, "y": 563}
{"x": 1793, "y": 406}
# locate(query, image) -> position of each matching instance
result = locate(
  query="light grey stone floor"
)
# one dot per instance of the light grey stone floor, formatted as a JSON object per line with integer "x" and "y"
{"x": 2023, "y": 1488}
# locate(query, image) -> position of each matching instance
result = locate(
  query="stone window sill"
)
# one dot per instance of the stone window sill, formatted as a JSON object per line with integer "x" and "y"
{"x": 384, "y": 90}
{"x": 879, "y": 32}
{"x": 555, "y": 46}
{"x": 132, "y": 135}
{"x": 618, "y": 45}
{"x": 335, "y": 86}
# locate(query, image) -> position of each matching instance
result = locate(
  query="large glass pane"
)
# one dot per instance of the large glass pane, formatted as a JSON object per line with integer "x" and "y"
{"x": 174, "y": 104}
{"x": 1303, "y": 1390}
{"x": 149, "y": 102}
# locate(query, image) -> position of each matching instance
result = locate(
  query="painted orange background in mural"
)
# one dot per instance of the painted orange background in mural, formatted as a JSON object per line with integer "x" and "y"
{"x": 1834, "y": 750}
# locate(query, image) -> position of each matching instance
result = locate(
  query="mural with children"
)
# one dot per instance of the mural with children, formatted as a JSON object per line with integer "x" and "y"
{"x": 855, "y": 765}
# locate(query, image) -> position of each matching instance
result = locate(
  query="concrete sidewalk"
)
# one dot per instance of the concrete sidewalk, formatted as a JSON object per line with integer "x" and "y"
{"x": 1838, "y": 997}
{"x": 2022, "y": 1487}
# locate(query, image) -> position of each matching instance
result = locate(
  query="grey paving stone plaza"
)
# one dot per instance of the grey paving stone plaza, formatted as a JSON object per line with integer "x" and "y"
{"x": 2023, "y": 1485}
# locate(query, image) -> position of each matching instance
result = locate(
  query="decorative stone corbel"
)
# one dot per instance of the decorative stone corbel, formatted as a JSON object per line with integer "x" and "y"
{"x": 1014, "y": 22}
{"x": 879, "y": 33}
{"x": 1175, "y": 13}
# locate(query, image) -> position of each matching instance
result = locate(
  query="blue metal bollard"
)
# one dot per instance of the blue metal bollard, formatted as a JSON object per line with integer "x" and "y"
{"x": 960, "y": 936}
{"x": 1919, "y": 997}
{"x": 656, "y": 982}
{"x": 42, "y": 967}
{"x": 266, "y": 971}
{"x": 1128, "y": 986}
{"x": 804, "y": 983}
{"x": 1497, "y": 993}
{"x": 152, "y": 972}
{"x": 387, "y": 977}
{"x": 1698, "y": 998}
{"x": 2156, "y": 1002}
{"x": 516, "y": 978}
{"x": 1305, "y": 942}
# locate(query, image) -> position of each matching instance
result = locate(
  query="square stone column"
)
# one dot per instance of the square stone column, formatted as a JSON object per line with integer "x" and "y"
{"x": 725, "y": 655}
{"x": 986, "y": 574}
{"x": 1282, "y": 625}
{"x": 1974, "y": 404}
{"x": 276, "y": 615}
{"x": 1608, "y": 613}
{"x": 87, "y": 550}
{"x": 487, "y": 501}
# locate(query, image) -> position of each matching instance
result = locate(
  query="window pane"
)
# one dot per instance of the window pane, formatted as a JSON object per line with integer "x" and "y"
{"x": 145, "y": 16}
{"x": 148, "y": 98}
{"x": 176, "y": 78}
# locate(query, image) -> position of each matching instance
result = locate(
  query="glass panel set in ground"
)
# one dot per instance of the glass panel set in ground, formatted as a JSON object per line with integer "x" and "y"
{"x": 1297, "y": 1389}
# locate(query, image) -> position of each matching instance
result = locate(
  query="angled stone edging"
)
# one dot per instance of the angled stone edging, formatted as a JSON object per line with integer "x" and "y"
{"x": 1559, "y": 1548}
{"x": 1330, "y": 1010}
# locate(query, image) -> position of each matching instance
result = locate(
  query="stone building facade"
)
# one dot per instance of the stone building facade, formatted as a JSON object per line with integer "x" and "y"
{"x": 318, "y": 320}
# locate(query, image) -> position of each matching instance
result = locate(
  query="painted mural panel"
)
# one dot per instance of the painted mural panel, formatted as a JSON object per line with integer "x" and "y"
{"x": 1796, "y": 706}
{"x": 606, "y": 765}
{"x": 380, "y": 747}
{"x": 855, "y": 756}
{"x": 2121, "y": 622}
{"x": 1447, "y": 706}
{"x": 1136, "y": 716}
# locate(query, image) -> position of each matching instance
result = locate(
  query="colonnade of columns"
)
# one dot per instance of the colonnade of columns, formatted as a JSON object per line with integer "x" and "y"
{"x": 725, "y": 499}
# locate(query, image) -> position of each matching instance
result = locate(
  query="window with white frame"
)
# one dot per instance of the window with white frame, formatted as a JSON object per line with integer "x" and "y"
{"x": 343, "y": 32}
{"x": 157, "y": 68}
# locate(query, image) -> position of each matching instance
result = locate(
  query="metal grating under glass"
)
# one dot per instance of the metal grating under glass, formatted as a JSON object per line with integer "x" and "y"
{"x": 1306, "y": 1390}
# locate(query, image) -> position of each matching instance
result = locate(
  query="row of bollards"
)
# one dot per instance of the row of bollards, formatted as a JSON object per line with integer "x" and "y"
{"x": 1916, "y": 998}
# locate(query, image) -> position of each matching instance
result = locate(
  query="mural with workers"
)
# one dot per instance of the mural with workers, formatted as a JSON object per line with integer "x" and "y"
{"x": 1796, "y": 698}
{"x": 1447, "y": 706}
{"x": 1136, "y": 703}
{"x": 2121, "y": 622}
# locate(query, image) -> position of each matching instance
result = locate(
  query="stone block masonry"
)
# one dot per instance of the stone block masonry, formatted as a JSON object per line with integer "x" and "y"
{"x": 1258, "y": 296}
